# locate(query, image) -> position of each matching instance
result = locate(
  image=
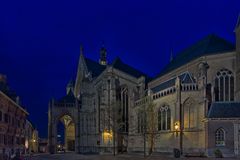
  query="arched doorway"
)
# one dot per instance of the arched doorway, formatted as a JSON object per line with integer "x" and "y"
{"x": 63, "y": 125}
{"x": 66, "y": 134}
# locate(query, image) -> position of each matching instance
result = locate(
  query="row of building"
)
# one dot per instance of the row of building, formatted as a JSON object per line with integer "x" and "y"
{"x": 17, "y": 133}
{"x": 192, "y": 105}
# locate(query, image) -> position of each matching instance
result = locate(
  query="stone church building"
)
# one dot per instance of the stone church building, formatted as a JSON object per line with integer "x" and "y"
{"x": 195, "y": 104}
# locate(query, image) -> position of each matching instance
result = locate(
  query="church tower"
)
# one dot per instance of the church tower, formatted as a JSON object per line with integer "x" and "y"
{"x": 237, "y": 32}
{"x": 103, "y": 56}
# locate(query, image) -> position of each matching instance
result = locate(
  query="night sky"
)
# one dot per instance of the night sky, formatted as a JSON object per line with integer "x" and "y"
{"x": 39, "y": 40}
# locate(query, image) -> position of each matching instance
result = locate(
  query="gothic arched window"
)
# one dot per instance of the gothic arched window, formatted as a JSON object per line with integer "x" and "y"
{"x": 189, "y": 114}
{"x": 224, "y": 86}
{"x": 220, "y": 137}
{"x": 124, "y": 103}
{"x": 164, "y": 118}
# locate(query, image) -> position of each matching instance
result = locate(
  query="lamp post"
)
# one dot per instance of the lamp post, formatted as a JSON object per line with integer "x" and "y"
{"x": 179, "y": 104}
{"x": 176, "y": 127}
{"x": 181, "y": 130}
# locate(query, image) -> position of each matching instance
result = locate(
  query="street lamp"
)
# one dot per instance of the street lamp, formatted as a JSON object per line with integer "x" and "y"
{"x": 176, "y": 127}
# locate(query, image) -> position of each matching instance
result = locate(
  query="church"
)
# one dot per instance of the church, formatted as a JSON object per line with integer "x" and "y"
{"x": 192, "y": 105}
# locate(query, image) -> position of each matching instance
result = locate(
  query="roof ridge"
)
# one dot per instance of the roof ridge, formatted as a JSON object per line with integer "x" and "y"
{"x": 91, "y": 60}
{"x": 210, "y": 39}
{"x": 119, "y": 64}
{"x": 116, "y": 60}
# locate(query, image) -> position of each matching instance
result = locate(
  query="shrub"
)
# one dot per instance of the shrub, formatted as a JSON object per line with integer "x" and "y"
{"x": 202, "y": 154}
{"x": 176, "y": 153}
{"x": 218, "y": 153}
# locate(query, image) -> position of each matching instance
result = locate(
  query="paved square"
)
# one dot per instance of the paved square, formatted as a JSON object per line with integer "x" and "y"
{"x": 73, "y": 156}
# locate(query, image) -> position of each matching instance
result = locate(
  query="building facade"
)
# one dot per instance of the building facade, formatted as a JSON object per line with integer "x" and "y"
{"x": 193, "y": 104}
{"x": 32, "y": 139}
{"x": 12, "y": 120}
{"x": 43, "y": 145}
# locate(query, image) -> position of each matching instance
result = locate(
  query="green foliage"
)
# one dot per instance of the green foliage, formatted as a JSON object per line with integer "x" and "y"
{"x": 218, "y": 153}
{"x": 202, "y": 154}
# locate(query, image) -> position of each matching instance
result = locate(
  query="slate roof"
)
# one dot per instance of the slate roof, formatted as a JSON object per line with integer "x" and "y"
{"x": 97, "y": 68}
{"x": 94, "y": 67}
{"x": 71, "y": 83}
{"x": 184, "y": 77}
{"x": 118, "y": 64}
{"x": 6, "y": 90}
{"x": 69, "y": 98}
{"x": 224, "y": 110}
{"x": 211, "y": 44}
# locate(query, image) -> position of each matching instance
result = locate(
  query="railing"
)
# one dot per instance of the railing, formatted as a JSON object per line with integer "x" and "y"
{"x": 142, "y": 101}
{"x": 164, "y": 92}
{"x": 189, "y": 87}
{"x": 168, "y": 91}
{"x": 184, "y": 88}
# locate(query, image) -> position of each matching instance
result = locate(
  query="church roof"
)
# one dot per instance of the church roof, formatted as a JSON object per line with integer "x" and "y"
{"x": 69, "y": 98}
{"x": 185, "y": 78}
{"x": 224, "y": 110}
{"x": 97, "y": 68}
{"x": 94, "y": 67}
{"x": 118, "y": 64}
{"x": 211, "y": 44}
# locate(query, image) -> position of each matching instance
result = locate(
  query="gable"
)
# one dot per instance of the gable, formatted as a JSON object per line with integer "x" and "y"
{"x": 186, "y": 78}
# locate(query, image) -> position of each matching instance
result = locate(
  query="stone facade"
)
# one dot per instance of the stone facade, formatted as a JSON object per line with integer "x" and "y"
{"x": 12, "y": 120}
{"x": 102, "y": 105}
{"x": 31, "y": 140}
{"x": 110, "y": 103}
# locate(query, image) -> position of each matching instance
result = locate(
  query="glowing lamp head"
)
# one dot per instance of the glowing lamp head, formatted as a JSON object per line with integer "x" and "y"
{"x": 176, "y": 126}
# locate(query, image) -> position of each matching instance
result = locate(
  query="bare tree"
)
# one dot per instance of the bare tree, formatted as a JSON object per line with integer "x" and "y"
{"x": 112, "y": 122}
{"x": 117, "y": 122}
{"x": 151, "y": 124}
{"x": 147, "y": 123}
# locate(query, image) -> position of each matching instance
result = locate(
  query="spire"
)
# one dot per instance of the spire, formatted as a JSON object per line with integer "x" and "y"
{"x": 81, "y": 49}
{"x": 103, "y": 55}
{"x": 237, "y": 33}
{"x": 81, "y": 71}
{"x": 171, "y": 55}
{"x": 238, "y": 23}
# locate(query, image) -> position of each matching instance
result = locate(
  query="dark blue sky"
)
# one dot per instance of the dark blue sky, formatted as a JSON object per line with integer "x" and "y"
{"x": 39, "y": 40}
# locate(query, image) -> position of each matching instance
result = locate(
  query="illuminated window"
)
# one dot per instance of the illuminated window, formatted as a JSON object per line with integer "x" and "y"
{"x": 164, "y": 118}
{"x": 107, "y": 137}
{"x": 189, "y": 114}
{"x": 220, "y": 137}
{"x": 224, "y": 86}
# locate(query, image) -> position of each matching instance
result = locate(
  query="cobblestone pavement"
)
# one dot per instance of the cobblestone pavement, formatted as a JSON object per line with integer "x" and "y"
{"x": 72, "y": 156}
